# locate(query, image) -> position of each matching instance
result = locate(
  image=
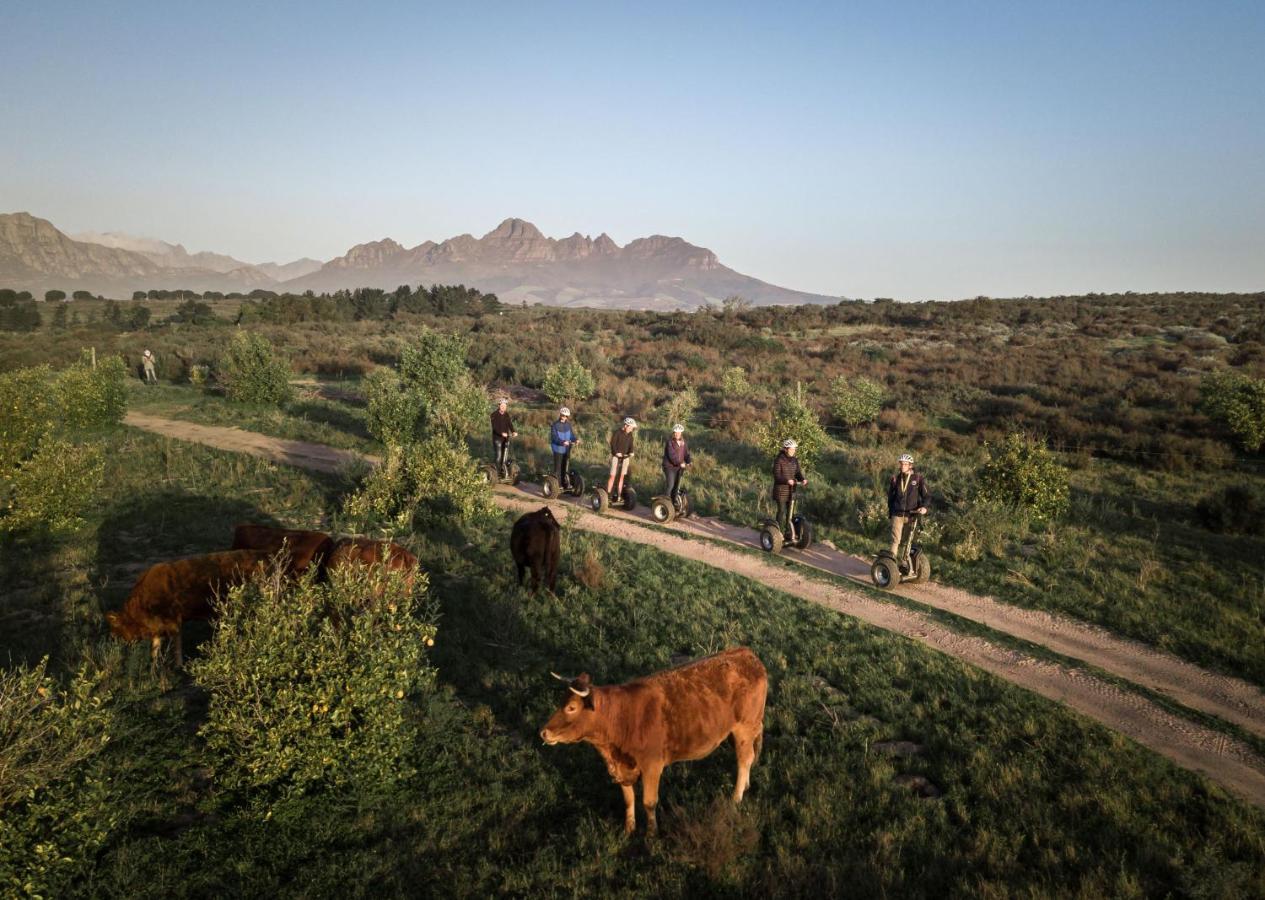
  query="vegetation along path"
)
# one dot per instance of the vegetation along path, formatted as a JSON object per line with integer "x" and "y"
{"x": 1223, "y": 758}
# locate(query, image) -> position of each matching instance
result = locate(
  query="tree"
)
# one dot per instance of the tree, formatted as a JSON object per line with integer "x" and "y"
{"x": 680, "y": 407}
{"x": 54, "y": 296}
{"x": 855, "y": 401}
{"x": 60, "y": 313}
{"x": 1021, "y": 473}
{"x": 1238, "y": 401}
{"x": 139, "y": 295}
{"x": 251, "y": 372}
{"x": 735, "y": 303}
{"x": 568, "y": 382}
{"x": 796, "y": 420}
{"x": 734, "y": 383}
{"x": 83, "y": 295}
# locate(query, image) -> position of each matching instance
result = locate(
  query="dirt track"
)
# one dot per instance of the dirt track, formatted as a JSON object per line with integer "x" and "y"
{"x": 1224, "y": 759}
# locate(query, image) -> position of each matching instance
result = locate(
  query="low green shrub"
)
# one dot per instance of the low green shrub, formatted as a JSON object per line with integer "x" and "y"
{"x": 317, "y": 685}
{"x": 855, "y": 401}
{"x": 93, "y": 397}
{"x": 793, "y": 419}
{"x": 734, "y": 382}
{"x": 433, "y": 483}
{"x": 679, "y": 408}
{"x": 1238, "y": 401}
{"x": 568, "y": 382}
{"x": 49, "y": 490}
{"x": 395, "y": 414}
{"x": 28, "y": 412}
{"x": 1021, "y": 473}
{"x": 251, "y": 371}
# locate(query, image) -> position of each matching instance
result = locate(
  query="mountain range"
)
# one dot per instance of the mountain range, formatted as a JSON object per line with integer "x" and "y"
{"x": 514, "y": 261}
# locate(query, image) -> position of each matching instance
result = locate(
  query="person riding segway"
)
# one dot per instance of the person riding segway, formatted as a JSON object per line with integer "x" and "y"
{"x": 907, "y": 501}
{"x": 502, "y": 469}
{"x": 562, "y": 438}
{"x": 675, "y": 501}
{"x": 618, "y": 492}
{"x": 790, "y": 528}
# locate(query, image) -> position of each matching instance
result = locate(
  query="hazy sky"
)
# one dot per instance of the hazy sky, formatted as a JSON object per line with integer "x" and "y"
{"x": 920, "y": 150}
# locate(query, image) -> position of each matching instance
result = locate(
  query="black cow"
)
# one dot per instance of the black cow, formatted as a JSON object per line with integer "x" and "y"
{"x": 536, "y": 541}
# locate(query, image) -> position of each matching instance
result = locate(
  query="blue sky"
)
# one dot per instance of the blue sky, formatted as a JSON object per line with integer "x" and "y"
{"x": 910, "y": 150}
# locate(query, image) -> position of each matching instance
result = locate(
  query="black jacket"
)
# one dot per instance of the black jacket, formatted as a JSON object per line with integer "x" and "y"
{"x": 906, "y": 496}
{"x": 785, "y": 468}
{"x": 501, "y": 424}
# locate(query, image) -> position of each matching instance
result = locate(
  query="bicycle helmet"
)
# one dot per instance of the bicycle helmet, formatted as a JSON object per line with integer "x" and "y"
{"x": 565, "y": 411}
{"x": 790, "y": 444}
{"x": 678, "y": 429}
{"x": 630, "y": 421}
{"x": 905, "y": 457}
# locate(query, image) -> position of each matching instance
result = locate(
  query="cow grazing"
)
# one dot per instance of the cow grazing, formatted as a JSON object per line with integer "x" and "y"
{"x": 169, "y": 594}
{"x": 536, "y": 542}
{"x": 367, "y": 552}
{"x": 305, "y": 549}
{"x": 677, "y": 714}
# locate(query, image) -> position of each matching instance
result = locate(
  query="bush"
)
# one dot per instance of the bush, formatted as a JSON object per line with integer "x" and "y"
{"x": 855, "y": 401}
{"x": 568, "y": 382}
{"x": 317, "y": 685}
{"x": 27, "y": 413}
{"x": 435, "y": 380}
{"x": 49, "y": 490}
{"x": 55, "y": 809}
{"x": 395, "y": 415}
{"x": 680, "y": 407}
{"x": 793, "y": 419}
{"x": 91, "y": 397}
{"x": 1239, "y": 402}
{"x": 734, "y": 383}
{"x": 434, "y": 363}
{"x": 434, "y": 483}
{"x": 1236, "y": 509}
{"x": 1021, "y": 473}
{"x": 251, "y": 372}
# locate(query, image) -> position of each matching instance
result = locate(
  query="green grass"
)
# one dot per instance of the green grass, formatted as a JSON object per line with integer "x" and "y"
{"x": 1037, "y": 800}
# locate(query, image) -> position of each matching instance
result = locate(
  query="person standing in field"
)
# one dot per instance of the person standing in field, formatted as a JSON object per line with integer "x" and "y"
{"x": 147, "y": 359}
{"x": 622, "y": 442}
{"x": 907, "y": 496}
{"x": 562, "y": 437}
{"x": 676, "y": 457}
{"x": 787, "y": 475}
{"x": 502, "y": 431}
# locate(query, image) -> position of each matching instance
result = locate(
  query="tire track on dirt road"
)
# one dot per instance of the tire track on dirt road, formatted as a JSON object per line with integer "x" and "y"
{"x": 1225, "y": 760}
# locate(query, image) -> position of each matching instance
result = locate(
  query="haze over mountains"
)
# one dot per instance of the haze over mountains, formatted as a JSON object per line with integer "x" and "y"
{"x": 514, "y": 261}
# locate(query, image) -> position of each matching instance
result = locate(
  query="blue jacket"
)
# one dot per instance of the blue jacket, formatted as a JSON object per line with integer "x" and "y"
{"x": 559, "y": 432}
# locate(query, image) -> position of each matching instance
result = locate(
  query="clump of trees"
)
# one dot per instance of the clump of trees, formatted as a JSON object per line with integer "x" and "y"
{"x": 18, "y": 311}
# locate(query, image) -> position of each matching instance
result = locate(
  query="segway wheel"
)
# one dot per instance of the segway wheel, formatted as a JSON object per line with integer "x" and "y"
{"x": 549, "y": 487}
{"x": 661, "y": 510}
{"x": 922, "y": 568}
{"x": 804, "y": 529}
{"x": 577, "y": 485}
{"x": 885, "y": 573}
{"x": 515, "y": 474}
{"x": 630, "y": 499}
{"x": 771, "y": 539}
{"x": 491, "y": 474}
{"x": 686, "y": 510}
{"x": 599, "y": 500}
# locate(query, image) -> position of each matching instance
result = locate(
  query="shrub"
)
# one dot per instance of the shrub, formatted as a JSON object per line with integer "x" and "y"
{"x": 855, "y": 401}
{"x": 395, "y": 414}
{"x": 1239, "y": 402}
{"x": 91, "y": 397}
{"x": 433, "y": 363}
{"x": 49, "y": 490}
{"x": 793, "y": 419}
{"x": 1021, "y": 473}
{"x": 680, "y": 407}
{"x": 434, "y": 378}
{"x": 734, "y": 383}
{"x": 199, "y": 375}
{"x": 27, "y": 413}
{"x": 1236, "y": 509}
{"x": 55, "y": 809}
{"x": 568, "y": 382}
{"x": 434, "y": 483}
{"x": 251, "y": 372}
{"x": 317, "y": 685}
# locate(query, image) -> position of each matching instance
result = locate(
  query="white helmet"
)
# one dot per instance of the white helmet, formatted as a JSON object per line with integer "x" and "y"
{"x": 905, "y": 457}
{"x": 565, "y": 411}
{"x": 503, "y": 401}
{"x": 678, "y": 429}
{"x": 790, "y": 444}
{"x": 630, "y": 421}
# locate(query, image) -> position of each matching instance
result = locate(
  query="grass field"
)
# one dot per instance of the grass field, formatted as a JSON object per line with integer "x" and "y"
{"x": 1036, "y": 801}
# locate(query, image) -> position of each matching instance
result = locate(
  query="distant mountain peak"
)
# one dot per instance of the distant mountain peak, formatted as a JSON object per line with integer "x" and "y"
{"x": 514, "y": 230}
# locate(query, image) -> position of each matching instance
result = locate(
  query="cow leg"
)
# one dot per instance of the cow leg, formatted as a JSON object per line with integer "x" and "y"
{"x": 155, "y": 651}
{"x": 178, "y": 650}
{"x": 537, "y": 574}
{"x": 745, "y": 747}
{"x": 522, "y": 570}
{"x": 630, "y": 808}
{"x": 650, "y": 795}
{"x": 553, "y": 574}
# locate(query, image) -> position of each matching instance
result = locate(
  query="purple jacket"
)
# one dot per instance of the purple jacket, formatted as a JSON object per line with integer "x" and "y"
{"x": 676, "y": 455}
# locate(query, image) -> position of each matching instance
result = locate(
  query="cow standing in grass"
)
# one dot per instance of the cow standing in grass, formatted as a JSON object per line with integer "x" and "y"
{"x": 368, "y": 552}
{"x": 536, "y": 543}
{"x": 304, "y": 549}
{"x": 641, "y": 727}
{"x": 169, "y": 594}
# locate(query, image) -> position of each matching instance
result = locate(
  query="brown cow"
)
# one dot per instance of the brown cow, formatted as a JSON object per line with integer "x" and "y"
{"x": 365, "y": 551}
{"x": 169, "y": 594}
{"x": 677, "y": 714}
{"x": 536, "y": 542}
{"x": 305, "y": 548}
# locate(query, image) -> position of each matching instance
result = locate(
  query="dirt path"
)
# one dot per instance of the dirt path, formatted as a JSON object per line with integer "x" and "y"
{"x": 1224, "y": 759}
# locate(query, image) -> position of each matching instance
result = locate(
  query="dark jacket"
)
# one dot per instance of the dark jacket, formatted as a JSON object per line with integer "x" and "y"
{"x": 501, "y": 424}
{"x": 785, "y": 468}
{"x": 622, "y": 442}
{"x": 676, "y": 455}
{"x": 562, "y": 431}
{"x": 904, "y": 497}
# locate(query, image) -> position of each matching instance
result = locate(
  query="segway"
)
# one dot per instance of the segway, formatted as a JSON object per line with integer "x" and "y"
{"x": 493, "y": 474}
{"x": 602, "y": 501}
{"x": 800, "y": 535}
{"x": 913, "y": 568}
{"x": 572, "y": 483}
{"x": 664, "y": 508}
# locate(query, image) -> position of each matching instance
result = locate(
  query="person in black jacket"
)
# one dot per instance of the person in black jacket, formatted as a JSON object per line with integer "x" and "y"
{"x": 502, "y": 431}
{"x": 786, "y": 475}
{"x": 623, "y": 443}
{"x": 676, "y": 457}
{"x": 907, "y": 496}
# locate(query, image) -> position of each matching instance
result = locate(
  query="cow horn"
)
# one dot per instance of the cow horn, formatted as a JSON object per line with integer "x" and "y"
{"x": 570, "y": 682}
{"x": 578, "y": 692}
{"x": 561, "y": 677}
